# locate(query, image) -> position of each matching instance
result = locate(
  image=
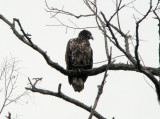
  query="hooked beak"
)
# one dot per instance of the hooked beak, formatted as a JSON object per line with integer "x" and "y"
{"x": 91, "y": 37}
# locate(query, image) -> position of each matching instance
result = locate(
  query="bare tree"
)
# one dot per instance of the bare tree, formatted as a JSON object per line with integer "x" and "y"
{"x": 8, "y": 85}
{"x": 106, "y": 26}
{"x": 111, "y": 32}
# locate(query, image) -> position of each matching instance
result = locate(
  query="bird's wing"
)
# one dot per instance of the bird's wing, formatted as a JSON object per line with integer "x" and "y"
{"x": 68, "y": 56}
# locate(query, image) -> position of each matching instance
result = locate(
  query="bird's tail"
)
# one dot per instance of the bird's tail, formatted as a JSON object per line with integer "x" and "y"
{"x": 78, "y": 83}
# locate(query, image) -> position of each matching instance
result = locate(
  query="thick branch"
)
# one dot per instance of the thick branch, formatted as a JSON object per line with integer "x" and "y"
{"x": 59, "y": 94}
{"x": 120, "y": 66}
{"x": 56, "y": 66}
{"x": 154, "y": 80}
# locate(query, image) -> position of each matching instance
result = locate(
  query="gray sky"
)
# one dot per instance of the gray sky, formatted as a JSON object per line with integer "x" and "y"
{"x": 126, "y": 94}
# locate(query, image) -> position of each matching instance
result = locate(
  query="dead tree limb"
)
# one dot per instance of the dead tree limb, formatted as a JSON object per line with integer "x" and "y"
{"x": 61, "y": 95}
{"x": 100, "y": 88}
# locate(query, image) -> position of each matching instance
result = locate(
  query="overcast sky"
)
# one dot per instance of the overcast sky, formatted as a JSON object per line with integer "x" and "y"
{"x": 126, "y": 95}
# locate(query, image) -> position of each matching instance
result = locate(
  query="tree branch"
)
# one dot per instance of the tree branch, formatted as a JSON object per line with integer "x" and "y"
{"x": 59, "y": 68}
{"x": 90, "y": 72}
{"x": 137, "y": 36}
{"x": 158, "y": 18}
{"x": 9, "y": 115}
{"x": 100, "y": 88}
{"x": 57, "y": 11}
{"x": 116, "y": 43}
{"x": 136, "y": 62}
{"x": 61, "y": 95}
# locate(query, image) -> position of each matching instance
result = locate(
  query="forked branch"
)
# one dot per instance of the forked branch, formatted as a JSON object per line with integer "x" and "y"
{"x": 137, "y": 35}
{"x": 136, "y": 62}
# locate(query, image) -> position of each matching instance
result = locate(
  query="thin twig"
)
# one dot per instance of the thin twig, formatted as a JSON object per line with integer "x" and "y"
{"x": 117, "y": 9}
{"x": 137, "y": 36}
{"x": 35, "y": 82}
{"x": 57, "y": 11}
{"x": 26, "y": 35}
{"x": 10, "y": 79}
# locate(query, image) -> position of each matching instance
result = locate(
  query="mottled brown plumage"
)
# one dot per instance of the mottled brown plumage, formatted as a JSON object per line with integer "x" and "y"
{"x": 79, "y": 56}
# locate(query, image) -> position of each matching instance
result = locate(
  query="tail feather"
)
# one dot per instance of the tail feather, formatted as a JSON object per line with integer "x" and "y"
{"x": 78, "y": 83}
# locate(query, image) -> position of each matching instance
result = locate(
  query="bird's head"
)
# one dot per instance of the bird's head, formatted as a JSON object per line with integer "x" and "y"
{"x": 85, "y": 34}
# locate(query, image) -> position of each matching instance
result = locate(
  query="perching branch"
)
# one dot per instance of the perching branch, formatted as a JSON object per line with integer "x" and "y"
{"x": 59, "y": 68}
{"x": 135, "y": 61}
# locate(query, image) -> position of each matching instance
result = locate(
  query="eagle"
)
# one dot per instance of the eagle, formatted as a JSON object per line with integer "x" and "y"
{"x": 79, "y": 56}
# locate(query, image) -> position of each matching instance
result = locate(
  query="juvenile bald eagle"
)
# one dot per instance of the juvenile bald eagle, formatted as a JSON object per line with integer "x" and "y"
{"x": 79, "y": 56}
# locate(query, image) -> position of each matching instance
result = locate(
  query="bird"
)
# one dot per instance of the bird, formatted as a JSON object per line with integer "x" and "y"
{"x": 79, "y": 56}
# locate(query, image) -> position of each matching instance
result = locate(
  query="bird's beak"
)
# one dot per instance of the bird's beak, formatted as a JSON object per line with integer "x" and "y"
{"x": 91, "y": 37}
